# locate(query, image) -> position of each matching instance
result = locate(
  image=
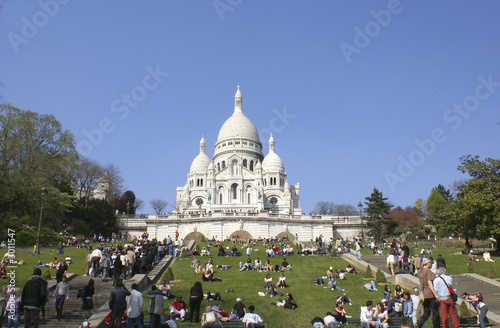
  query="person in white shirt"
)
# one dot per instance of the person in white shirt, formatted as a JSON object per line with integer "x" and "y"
{"x": 366, "y": 316}
{"x": 253, "y": 320}
{"x": 134, "y": 307}
{"x": 330, "y": 321}
{"x": 96, "y": 257}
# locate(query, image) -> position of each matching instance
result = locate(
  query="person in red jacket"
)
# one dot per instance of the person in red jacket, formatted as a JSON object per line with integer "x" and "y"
{"x": 178, "y": 308}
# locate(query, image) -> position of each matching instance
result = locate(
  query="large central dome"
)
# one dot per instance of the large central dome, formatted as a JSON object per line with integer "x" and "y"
{"x": 238, "y": 125}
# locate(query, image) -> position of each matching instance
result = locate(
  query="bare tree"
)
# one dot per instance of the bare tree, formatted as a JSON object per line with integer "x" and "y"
{"x": 158, "y": 205}
{"x": 87, "y": 176}
{"x": 324, "y": 208}
{"x": 138, "y": 204}
{"x": 345, "y": 210}
{"x": 113, "y": 182}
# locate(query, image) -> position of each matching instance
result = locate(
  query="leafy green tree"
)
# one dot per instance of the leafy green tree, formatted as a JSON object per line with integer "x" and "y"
{"x": 444, "y": 192}
{"x": 97, "y": 217}
{"x": 128, "y": 197}
{"x": 378, "y": 222}
{"x": 475, "y": 213}
{"x": 435, "y": 204}
{"x": 419, "y": 206}
{"x": 34, "y": 151}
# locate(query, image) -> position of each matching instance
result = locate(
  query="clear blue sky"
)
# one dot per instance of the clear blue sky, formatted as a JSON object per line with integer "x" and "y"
{"x": 365, "y": 81}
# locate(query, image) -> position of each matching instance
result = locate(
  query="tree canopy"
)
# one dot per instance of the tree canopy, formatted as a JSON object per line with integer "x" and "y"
{"x": 475, "y": 213}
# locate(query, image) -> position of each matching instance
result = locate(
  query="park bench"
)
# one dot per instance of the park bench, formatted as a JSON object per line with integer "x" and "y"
{"x": 472, "y": 322}
{"x": 356, "y": 322}
{"x": 232, "y": 323}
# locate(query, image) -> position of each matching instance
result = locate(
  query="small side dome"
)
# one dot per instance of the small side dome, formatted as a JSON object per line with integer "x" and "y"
{"x": 201, "y": 162}
{"x": 211, "y": 166}
{"x": 273, "y": 163}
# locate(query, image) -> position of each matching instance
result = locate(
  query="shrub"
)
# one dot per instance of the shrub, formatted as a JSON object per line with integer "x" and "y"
{"x": 368, "y": 272}
{"x": 168, "y": 276}
{"x": 380, "y": 277}
{"x": 491, "y": 273}
{"x": 470, "y": 267}
{"x": 26, "y": 238}
{"x": 463, "y": 310}
{"x": 183, "y": 254}
{"x": 46, "y": 274}
{"x": 333, "y": 252}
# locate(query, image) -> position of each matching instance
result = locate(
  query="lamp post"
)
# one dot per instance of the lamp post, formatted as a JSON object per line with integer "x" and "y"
{"x": 360, "y": 206}
{"x": 43, "y": 192}
{"x": 126, "y": 224}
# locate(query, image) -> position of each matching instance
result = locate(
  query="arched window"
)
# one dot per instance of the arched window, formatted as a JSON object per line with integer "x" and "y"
{"x": 244, "y": 163}
{"x": 218, "y": 166}
{"x": 249, "y": 199}
{"x": 201, "y": 182}
{"x": 251, "y": 165}
{"x": 221, "y": 193}
{"x": 223, "y": 165}
{"x": 234, "y": 190}
{"x": 197, "y": 182}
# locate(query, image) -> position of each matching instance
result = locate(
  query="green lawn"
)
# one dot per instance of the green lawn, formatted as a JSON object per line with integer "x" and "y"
{"x": 312, "y": 300}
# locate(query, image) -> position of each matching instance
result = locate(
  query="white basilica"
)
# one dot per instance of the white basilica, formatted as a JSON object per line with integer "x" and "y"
{"x": 239, "y": 178}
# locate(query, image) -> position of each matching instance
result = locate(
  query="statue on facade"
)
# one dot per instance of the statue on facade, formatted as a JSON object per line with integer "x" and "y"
{"x": 259, "y": 195}
{"x": 209, "y": 197}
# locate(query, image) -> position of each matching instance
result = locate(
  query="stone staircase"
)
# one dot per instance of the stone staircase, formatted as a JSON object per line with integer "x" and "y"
{"x": 73, "y": 316}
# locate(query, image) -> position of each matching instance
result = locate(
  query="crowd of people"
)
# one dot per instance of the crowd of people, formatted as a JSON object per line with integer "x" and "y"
{"x": 433, "y": 298}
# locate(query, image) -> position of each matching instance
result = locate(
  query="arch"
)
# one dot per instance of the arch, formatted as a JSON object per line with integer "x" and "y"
{"x": 218, "y": 166}
{"x": 241, "y": 234}
{"x": 251, "y": 165}
{"x": 221, "y": 193}
{"x": 234, "y": 191}
{"x": 195, "y": 235}
{"x": 287, "y": 235}
{"x": 244, "y": 163}
{"x": 249, "y": 194}
{"x": 223, "y": 165}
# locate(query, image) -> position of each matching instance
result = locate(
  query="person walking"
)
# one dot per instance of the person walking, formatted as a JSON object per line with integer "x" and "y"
{"x": 87, "y": 294}
{"x": 96, "y": 257}
{"x": 61, "y": 293}
{"x": 431, "y": 300}
{"x": 195, "y": 298}
{"x": 117, "y": 304}
{"x": 105, "y": 265}
{"x": 33, "y": 296}
{"x": 134, "y": 310}
{"x": 447, "y": 305}
{"x": 155, "y": 307}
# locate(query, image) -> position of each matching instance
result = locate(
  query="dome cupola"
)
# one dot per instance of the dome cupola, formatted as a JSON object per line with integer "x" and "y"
{"x": 200, "y": 162}
{"x": 272, "y": 162}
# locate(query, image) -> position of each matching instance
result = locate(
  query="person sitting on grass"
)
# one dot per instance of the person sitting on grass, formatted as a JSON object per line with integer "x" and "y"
{"x": 285, "y": 265}
{"x": 268, "y": 281}
{"x": 340, "y": 313}
{"x": 209, "y": 276}
{"x": 329, "y": 273}
{"x": 267, "y": 266}
{"x": 274, "y": 291}
{"x": 330, "y": 320}
{"x": 289, "y": 303}
{"x": 178, "y": 308}
{"x": 350, "y": 269}
{"x": 198, "y": 268}
{"x": 282, "y": 281}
